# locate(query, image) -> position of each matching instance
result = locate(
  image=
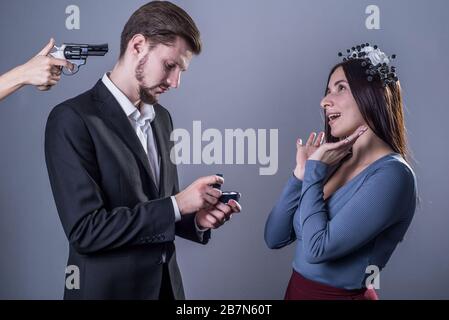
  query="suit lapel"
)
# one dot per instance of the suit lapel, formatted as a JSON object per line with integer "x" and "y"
{"x": 117, "y": 119}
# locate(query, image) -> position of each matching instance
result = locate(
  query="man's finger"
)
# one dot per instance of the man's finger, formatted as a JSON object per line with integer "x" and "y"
{"x": 210, "y": 200}
{"x": 46, "y": 50}
{"x": 223, "y": 208}
{"x": 216, "y": 217}
{"x": 219, "y": 215}
{"x": 235, "y": 206}
{"x": 211, "y": 180}
{"x": 212, "y": 220}
{"x": 214, "y": 192}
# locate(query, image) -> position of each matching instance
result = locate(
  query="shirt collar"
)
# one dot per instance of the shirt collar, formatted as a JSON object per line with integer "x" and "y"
{"x": 146, "y": 110}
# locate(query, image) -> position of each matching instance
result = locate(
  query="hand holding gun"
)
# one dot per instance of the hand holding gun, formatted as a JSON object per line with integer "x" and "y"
{"x": 77, "y": 54}
{"x": 42, "y": 71}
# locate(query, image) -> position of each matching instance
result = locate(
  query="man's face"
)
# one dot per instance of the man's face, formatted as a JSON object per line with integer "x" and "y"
{"x": 160, "y": 69}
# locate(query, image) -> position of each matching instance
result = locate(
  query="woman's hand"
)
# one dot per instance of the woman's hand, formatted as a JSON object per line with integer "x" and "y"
{"x": 43, "y": 71}
{"x": 329, "y": 153}
{"x": 332, "y": 153}
{"x": 303, "y": 152}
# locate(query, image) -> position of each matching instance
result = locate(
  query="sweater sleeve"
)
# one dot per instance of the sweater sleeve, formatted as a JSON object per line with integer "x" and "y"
{"x": 279, "y": 230}
{"x": 377, "y": 204}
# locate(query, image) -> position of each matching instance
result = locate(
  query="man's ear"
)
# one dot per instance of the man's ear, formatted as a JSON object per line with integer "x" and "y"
{"x": 138, "y": 45}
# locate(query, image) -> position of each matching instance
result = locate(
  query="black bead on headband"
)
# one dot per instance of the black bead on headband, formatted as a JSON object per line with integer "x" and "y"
{"x": 375, "y": 61}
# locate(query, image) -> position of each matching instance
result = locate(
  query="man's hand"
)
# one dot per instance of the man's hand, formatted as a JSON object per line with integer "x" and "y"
{"x": 199, "y": 195}
{"x": 217, "y": 215}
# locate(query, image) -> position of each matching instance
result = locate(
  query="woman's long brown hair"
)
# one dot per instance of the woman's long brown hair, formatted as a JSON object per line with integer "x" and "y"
{"x": 381, "y": 107}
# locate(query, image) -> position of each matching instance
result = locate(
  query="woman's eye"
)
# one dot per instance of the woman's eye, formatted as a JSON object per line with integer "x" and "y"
{"x": 341, "y": 87}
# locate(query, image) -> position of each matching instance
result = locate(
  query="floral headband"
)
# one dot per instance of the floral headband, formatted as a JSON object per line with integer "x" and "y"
{"x": 375, "y": 61}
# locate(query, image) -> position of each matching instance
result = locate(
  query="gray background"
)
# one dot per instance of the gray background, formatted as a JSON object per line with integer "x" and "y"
{"x": 264, "y": 65}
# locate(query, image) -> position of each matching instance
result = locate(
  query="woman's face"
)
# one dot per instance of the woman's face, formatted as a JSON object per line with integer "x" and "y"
{"x": 342, "y": 112}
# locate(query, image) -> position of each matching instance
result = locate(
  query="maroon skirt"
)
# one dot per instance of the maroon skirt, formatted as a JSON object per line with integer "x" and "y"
{"x": 300, "y": 288}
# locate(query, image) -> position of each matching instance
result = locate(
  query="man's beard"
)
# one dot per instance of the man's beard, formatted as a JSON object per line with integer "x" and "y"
{"x": 144, "y": 92}
{"x": 145, "y": 96}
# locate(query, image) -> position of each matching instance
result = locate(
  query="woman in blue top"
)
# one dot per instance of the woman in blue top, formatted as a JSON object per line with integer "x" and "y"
{"x": 352, "y": 194}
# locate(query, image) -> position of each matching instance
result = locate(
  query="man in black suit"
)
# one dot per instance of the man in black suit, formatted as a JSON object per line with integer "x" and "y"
{"x": 108, "y": 159}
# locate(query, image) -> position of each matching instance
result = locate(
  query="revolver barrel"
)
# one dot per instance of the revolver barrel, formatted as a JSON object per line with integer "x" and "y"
{"x": 75, "y": 51}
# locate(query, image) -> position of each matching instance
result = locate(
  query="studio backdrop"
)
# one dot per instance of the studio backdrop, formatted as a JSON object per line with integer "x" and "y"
{"x": 263, "y": 71}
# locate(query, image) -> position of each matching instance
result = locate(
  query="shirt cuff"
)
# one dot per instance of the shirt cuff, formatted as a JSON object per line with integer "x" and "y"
{"x": 176, "y": 209}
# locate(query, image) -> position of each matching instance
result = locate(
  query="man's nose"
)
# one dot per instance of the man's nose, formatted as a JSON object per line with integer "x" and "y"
{"x": 174, "y": 79}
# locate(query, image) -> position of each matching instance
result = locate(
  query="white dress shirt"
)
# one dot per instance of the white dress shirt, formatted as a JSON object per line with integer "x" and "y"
{"x": 141, "y": 122}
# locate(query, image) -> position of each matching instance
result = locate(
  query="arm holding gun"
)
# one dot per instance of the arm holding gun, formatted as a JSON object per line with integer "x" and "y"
{"x": 42, "y": 71}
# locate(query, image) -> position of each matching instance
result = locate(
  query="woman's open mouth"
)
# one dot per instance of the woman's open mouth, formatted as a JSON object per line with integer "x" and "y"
{"x": 333, "y": 117}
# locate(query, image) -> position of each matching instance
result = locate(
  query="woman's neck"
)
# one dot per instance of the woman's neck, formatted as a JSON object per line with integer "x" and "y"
{"x": 367, "y": 149}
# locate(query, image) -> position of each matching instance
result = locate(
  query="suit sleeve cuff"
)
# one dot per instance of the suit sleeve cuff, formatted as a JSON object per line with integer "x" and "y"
{"x": 176, "y": 209}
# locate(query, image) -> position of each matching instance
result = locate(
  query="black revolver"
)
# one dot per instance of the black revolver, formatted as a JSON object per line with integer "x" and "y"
{"x": 77, "y": 54}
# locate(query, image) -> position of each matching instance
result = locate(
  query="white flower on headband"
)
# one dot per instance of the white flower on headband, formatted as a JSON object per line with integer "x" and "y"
{"x": 375, "y": 55}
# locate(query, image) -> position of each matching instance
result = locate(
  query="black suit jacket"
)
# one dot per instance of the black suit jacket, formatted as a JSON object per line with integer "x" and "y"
{"x": 119, "y": 224}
